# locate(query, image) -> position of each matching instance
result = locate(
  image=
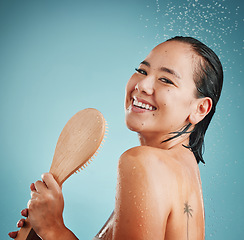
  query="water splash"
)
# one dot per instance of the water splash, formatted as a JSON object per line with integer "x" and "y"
{"x": 212, "y": 22}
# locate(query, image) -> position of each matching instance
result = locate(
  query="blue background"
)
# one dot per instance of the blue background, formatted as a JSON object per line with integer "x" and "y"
{"x": 58, "y": 57}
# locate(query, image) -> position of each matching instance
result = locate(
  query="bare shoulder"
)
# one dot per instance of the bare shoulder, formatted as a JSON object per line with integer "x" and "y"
{"x": 143, "y": 199}
{"x": 147, "y": 167}
{"x": 143, "y": 155}
{"x": 149, "y": 161}
{"x": 161, "y": 167}
{"x": 155, "y": 191}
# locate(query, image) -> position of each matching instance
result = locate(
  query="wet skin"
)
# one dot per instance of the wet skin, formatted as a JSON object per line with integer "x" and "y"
{"x": 159, "y": 192}
{"x": 153, "y": 187}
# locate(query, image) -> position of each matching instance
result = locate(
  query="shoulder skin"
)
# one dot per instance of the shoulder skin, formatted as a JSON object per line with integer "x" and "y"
{"x": 144, "y": 194}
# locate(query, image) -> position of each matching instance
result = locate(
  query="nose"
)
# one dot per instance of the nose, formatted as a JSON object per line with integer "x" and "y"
{"x": 145, "y": 85}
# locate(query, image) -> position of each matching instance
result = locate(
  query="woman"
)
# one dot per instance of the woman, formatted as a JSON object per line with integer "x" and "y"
{"x": 170, "y": 100}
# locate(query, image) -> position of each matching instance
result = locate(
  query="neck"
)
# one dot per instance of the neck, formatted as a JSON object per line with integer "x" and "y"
{"x": 159, "y": 142}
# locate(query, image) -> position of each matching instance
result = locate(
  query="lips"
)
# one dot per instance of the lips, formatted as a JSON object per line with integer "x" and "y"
{"x": 143, "y": 104}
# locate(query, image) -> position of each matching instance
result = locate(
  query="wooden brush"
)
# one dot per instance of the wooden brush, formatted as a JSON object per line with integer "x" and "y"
{"x": 77, "y": 144}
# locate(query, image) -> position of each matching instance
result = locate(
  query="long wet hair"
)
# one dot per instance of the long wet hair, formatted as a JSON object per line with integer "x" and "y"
{"x": 208, "y": 77}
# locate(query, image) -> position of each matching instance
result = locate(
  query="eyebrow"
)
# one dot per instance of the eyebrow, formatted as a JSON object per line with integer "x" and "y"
{"x": 164, "y": 69}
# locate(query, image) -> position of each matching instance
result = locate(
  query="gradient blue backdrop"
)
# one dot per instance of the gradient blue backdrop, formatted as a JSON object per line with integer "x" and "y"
{"x": 58, "y": 57}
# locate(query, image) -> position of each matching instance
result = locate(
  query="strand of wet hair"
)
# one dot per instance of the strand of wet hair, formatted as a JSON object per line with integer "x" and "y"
{"x": 178, "y": 134}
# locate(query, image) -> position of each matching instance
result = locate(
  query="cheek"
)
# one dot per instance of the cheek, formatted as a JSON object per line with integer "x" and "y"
{"x": 132, "y": 82}
{"x": 166, "y": 98}
{"x": 130, "y": 86}
{"x": 172, "y": 103}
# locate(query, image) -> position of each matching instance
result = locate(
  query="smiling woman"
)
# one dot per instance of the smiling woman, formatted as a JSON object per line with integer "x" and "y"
{"x": 169, "y": 102}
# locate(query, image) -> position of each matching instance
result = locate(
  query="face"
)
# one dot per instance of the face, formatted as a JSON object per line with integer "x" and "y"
{"x": 160, "y": 95}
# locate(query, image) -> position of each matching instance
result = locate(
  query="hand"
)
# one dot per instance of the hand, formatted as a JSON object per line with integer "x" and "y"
{"x": 20, "y": 223}
{"x": 46, "y": 206}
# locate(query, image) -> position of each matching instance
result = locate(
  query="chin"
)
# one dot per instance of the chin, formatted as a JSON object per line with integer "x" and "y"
{"x": 132, "y": 124}
{"x": 133, "y": 129}
{"x": 136, "y": 125}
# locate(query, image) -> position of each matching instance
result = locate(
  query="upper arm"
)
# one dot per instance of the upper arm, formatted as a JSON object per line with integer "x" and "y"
{"x": 142, "y": 197}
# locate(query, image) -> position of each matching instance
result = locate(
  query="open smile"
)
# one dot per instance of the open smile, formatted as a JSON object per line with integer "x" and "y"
{"x": 143, "y": 104}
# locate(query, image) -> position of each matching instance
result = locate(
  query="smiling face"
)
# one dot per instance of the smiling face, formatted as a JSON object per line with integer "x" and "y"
{"x": 160, "y": 95}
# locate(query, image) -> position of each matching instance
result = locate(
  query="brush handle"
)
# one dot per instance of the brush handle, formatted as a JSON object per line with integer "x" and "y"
{"x": 77, "y": 143}
{"x": 27, "y": 232}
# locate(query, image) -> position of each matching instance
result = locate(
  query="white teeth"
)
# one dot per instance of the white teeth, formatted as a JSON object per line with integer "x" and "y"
{"x": 143, "y": 105}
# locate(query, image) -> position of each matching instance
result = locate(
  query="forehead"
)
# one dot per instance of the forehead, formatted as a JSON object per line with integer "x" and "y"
{"x": 175, "y": 55}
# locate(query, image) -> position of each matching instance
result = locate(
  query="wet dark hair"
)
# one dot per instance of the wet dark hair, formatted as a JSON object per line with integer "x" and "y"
{"x": 208, "y": 77}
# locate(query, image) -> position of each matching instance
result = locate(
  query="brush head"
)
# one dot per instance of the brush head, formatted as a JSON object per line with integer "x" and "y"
{"x": 77, "y": 143}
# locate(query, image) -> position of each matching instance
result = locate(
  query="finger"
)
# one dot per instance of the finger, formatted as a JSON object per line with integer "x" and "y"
{"x": 32, "y": 187}
{"x": 21, "y": 223}
{"x": 34, "y": 195}
{"x": 13, "y": 234}
{"x": 40, "y": 186}
{"x": 28, "y": 204}
{"x": 31, "y": 203}
{"x": 24, "y": 212}
{"x": 51, "y": 183}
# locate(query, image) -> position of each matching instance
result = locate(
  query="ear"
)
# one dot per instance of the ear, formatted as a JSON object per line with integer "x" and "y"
{"x": 202, "y": 108}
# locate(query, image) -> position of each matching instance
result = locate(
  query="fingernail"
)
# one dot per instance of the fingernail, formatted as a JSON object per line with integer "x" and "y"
{"x": 24, "y": 212}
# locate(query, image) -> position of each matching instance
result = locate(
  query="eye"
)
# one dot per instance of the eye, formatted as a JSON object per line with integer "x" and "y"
{"x": 166, "y": 80}
{"x": 141, "y": 71}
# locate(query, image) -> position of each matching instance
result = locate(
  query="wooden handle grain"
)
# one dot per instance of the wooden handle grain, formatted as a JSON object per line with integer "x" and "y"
{"x": 27, "y": 232}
